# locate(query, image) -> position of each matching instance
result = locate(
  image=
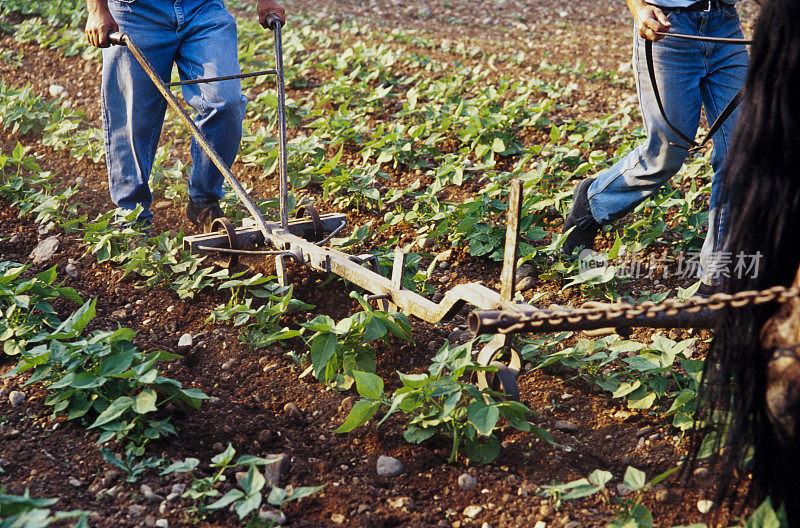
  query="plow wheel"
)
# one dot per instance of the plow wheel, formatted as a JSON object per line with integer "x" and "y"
{"x": 224, "y": 225}
{"x": 505, "y": 378}
{"x": 313, "y": 214}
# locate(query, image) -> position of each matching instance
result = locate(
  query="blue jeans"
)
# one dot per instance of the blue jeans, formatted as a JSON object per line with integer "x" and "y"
{"x": 690, "y": 74}
{"x": 200, "y": 37}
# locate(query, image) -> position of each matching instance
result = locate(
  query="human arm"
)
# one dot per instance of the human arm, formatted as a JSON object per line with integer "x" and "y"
{"x": 100, "y": 23}
{"x": 649, "y": 19}
{"x": 270, "y": 7}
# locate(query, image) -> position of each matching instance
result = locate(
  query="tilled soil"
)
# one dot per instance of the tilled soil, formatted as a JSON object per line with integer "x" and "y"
{"x": 250, "y": 388}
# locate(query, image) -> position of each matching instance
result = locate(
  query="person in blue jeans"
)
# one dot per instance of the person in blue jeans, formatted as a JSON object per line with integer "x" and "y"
{"x": 690, "y": 75}
{"x": 199, "y": 36}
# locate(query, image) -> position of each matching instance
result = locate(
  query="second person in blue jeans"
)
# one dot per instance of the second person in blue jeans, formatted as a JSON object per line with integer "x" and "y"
{"x": 199, "y": 36}
{"x": 690, "y": 75}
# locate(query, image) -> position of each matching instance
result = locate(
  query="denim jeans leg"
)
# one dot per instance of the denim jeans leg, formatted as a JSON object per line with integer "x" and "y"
{"x": 726, "y": 75}
{"x": 678, "y": 66}
{"x": 133, "y": 109}
{"x": 208, "y": 49}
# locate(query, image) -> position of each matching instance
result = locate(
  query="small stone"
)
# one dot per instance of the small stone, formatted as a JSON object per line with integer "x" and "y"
{"x": 218, "y": 447}
{"x": 347, "y": 403}
{"x": 172, "y": 497}
{"x": 567, "y": 427}
{"x": 149, "y": 521}
{"x": 14, "y": 239}
{"x": 293, "y": 411}
{"x": 338, "y": 518}
{"x": 75, "y": 482}
{"x": 185, "y": 340}
{"x": 444, "y": 265}
{"x": 16, "y": 398}
{"x": 545, "y": 510}
{"x": 486, "y": 525}
{"x": 45, "y": 250}
{"x": 148, "y": 493}
{"x": 472, "y": 511}
{"x": 540, "y": 524}
{"x": 573, "y": 524}
{"x": 523, "y": 271}
{"x": 389, "y": 466}
{"x": 704, "y": 506}
{"x": 662, "y": 495}
{"x": 163, "y": 204}
{"x": 700, "y": 473}
{"x": 400, "y": 503}
{"x": 136, "y": 509}
{"x": 228, "y": 364}
{"x": 467, "y": 482}
{"x": 625, "y": 67}
{"x": 163, "y": 508}
{"x": 644, "y": 431}
{"x": 79, "y": 180}
{"x": 279, "y": 464}
{"x": 426, "y": 243}
{"x": 622, "y": 489}
{"x": 55, "y": 90}
{"x": 122, "y": 313}
{"x": 272, "y": 516}
{"x": 162, "y": 523}
{"x": 566, "y": 396}
{"x": 178, "y": 488}
{"x": 363, "y": 508}
{"x": 526, "y": 283}
{"x": 11, "y": 434}
{"x": 71, "y": 269}
{"x": 455, "y": 336}
{"x": 622, "y": 415}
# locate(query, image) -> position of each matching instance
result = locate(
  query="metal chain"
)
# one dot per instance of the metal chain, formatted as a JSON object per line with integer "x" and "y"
{"x": 604, "y": 312}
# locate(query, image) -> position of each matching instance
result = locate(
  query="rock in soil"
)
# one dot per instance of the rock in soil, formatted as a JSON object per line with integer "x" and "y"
{"x": 16, "y": 398}
{"x": 162, "y": 523}
{"x": 71, "y": 269}
{"x": 338, "y": 518}
{"x": 400, "y": 503}
{"x": 45, "y": 250}
{"x": 662, "y": 495}
{"x": 75, "y": 482}
{"x": 467, "y": 482}
{"x": 279, "y": 464}
{"x": 389, "y": 466}
{"x": 705, "y": 505}
{"x": 272, "y": 516}
{"x": 185, "y": 340}
{"x": 526, "y": 283}
{"x": 148, "y": 493}
{"x": 472, "y": 511}
{"x": 567, "y": 427}
{"x": 136, "y": 509}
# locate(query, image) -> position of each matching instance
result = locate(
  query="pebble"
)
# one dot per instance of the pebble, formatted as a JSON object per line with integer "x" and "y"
{"x": 472, "y": 511}
{"x": 400, "y": 503}
{"x": 293, "y": 411}
{"x": 45, "y": 250}
{"x": 646, "y": 430}
{"x": 362, "y": 508}
{"x": 540, "y": 524}
{"x": 14, "y": 239}
{"x": 426, "y": 243}
{"x": 347, "y": 403}
{"x": 162, "y": 523}
{"x": 523, "y": 271}
{"x": 163, "y": 508}
{"x": 55, "y": 90}
{"x": 338, "y": 518}
{"x": 700, "y": 473}
{"x": 16, "y": 398}
{"x": 622, "y": 489}
{"x": 566, "y": 396}
{"x": 467, "y": 482}
{"x": 272, "y": 516}
{"x": 573, "y": 524}
{"x": 178, "y": 488}
{"x": 705, "y": 505}
{"x": 75, "y": 482}
{"x": 71, "y": 268}
{"x": 545, "y": 510}
{"x": 389, "y": 466}
{"x": 228, "y": 364}
{"x": 279, "y": 464}
{"x": 122, "y": 313}
{"x": 149, "y": 521}
{"x": 136, "y": 509}
{"x": 662, "y": 495}
{"x": 567, "y": 427}
{"x": 12, "y": 434}
{"x": 163, "y": 204}
{"x": 148, "y": 493}
{"x": 526, "y": 283}
{"x": 173, "y": 497}
{"x": 185, "y": 340}
{"x": 625, "y": 67}
{"x": 455, "y": 336}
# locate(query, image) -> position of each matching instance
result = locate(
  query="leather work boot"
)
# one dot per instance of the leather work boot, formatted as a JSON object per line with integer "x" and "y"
{"x": 580, "y": 217}
{"x": 203, "y": 214}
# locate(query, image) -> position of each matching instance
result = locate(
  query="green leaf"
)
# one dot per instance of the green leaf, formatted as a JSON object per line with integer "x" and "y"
{"x": 368, "y": 385}
{"x": 183, "y": 466}
{"x": 113, "y": 411}
{"x": 145, "y": 402}
{"x": 226, "y": 500}
{"x": 254, "y": 481}
{"x": 482, "y": 450}
{"x": 76, "y": 322}
{"x": 323, "y": 348}
{"x": 483, "y": 417}
{"x": 224, "y": 458}
{"x": 361, "y": 413}
{"x": 634, "y": 479}
{"x": 498, "y": 145}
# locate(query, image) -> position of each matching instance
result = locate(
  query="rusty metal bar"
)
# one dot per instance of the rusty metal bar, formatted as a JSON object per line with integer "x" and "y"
{"x": 223, "y": 78}
{"x": 508, "y": 322}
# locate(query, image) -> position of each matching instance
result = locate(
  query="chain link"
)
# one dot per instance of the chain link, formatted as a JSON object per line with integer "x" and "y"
{"x": 593, "y": 311}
